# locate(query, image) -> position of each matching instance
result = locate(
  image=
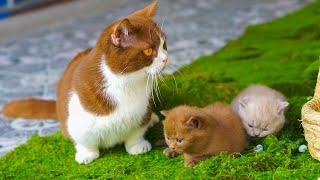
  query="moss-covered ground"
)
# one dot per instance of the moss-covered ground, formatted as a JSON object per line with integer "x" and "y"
{"x": 282, "y": 54}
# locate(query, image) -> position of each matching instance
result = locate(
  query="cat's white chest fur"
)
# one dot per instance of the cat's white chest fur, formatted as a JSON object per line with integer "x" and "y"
{"x": 106, "y": 131}
{"x": 131, "y": 96}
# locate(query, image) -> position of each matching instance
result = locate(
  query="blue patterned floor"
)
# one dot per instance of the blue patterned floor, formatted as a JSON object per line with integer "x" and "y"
{"x": 31, "y": 66}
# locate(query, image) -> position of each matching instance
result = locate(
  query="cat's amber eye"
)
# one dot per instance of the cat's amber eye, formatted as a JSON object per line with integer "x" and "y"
{"x": 148, "y": 51}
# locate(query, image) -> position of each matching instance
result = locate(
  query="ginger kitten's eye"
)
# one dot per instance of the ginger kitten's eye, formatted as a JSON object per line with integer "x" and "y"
{"x": 168, "y": 138}
{"x": 148, "y": 51}
{"x": 179, "y": 141}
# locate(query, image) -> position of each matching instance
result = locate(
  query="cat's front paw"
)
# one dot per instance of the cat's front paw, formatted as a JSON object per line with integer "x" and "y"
{"x": 170, "y": 153}
{"x": 85, "y": 156}
{"x": 139, "y": 148}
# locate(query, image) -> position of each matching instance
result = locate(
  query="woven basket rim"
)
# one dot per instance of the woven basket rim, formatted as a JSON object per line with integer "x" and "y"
{"x": 309, "y": 114}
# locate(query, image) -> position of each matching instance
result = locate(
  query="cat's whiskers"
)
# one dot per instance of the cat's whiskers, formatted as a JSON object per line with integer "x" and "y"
{"x": 161, "y": 79}
{"x": 156, "y": 86}
{"x": 152, "y": 96}
{"x": 175, "y": 82}
{"x": 158, "y": 89}
{"x": 176, "y": 69}
{"x": 147, "y": 86}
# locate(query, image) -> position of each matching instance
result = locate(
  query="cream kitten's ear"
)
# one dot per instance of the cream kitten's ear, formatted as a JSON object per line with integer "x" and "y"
{"x": 164, "y": 112}
{"x": 148, "y": 11}
{"x": 282, "y": 106}
{"x": 194, "y": 122}
{"x": 243, "y": 102}
{"x": 120, "y": 35}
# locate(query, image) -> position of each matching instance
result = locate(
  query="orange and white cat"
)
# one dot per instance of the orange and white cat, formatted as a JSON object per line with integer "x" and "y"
{"x": 103, "y": 96}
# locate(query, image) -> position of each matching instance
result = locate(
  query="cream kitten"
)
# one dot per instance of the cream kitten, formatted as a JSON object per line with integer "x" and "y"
{"x": 261, "y": 110}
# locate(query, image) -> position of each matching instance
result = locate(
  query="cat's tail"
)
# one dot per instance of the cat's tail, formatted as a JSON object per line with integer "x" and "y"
{"x": 30, "y": 109}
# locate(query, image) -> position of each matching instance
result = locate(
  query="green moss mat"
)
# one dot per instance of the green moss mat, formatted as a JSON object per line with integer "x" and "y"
{"x": 282, "y": 54}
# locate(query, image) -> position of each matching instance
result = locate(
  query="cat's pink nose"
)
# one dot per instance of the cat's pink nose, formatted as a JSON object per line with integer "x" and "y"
{"x": 165, "y": 60}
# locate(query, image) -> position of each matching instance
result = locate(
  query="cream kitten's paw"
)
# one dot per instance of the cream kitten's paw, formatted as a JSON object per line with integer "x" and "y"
{"x": 86, "y": 156}
{"x": 139, "y": 148}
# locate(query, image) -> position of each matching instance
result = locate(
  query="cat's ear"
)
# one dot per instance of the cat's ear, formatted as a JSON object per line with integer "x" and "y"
{"x": 164, "y": 112}
{"x": 194, "y": 122}
{"x": 282, "y": 106}
{"x": 243, "y": 102}
{"x": 148, "y": 12}
{"x": 121, "y": 34}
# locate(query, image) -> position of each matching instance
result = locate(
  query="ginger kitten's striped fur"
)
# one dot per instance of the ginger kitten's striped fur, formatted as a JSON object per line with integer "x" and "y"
{"x": 199, "y": 133}
{"x": 103, "y": 97}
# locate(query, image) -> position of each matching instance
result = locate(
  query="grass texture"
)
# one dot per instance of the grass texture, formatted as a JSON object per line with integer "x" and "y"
{"x": 282, "y": 54}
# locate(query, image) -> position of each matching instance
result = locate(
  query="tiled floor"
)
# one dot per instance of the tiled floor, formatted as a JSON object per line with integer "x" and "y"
{"x": 31, "y": 66}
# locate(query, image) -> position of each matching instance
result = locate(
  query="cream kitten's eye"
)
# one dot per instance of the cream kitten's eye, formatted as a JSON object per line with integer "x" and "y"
{"x": 179, "y": 141}
{"x": 250, "y": 125}
{"x": 265, "y": 129}
{"x": 148, "y": 51}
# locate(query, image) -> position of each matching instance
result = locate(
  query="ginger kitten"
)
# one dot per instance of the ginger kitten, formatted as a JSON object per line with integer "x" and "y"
{"x": 103, "y": 97}
{"x": 199, "y": 133}
{"x": 261, "y": 110}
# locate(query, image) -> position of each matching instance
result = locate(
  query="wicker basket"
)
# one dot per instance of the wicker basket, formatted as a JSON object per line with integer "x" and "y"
{"x": 311, "y": 122}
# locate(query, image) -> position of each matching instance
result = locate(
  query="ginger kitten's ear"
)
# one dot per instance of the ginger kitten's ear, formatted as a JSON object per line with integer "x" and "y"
{"x": 148, "y": 11}
{"x": 195, "y": 122}
{"x": 282, "y": 106}
{"x": 164, "y": 112}
{"x": 121, "y": 34}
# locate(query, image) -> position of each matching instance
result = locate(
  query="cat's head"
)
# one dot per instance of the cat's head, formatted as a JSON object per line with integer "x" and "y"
{"x": 184, "y": 129}
{"x": 263, "y": 118}
{"x": 135, "y": 43}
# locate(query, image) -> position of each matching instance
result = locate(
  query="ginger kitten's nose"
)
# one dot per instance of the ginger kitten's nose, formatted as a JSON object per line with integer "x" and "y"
{"x": 172, "y": 146}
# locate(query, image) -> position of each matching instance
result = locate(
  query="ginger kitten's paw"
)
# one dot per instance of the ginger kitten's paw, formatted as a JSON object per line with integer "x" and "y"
{"x": 139, "y": 148}
{"x": 190, "y": 163}
{"x": 86, "y": 156}
{"x": 170, "y": 153}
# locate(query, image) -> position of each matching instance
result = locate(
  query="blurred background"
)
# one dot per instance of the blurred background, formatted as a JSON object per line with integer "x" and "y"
{"x": 15, "y": 7}
{"x": 39, "y": 37}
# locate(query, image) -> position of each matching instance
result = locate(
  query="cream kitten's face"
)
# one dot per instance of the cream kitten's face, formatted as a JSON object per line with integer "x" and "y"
{"x": 262, "y": 119}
